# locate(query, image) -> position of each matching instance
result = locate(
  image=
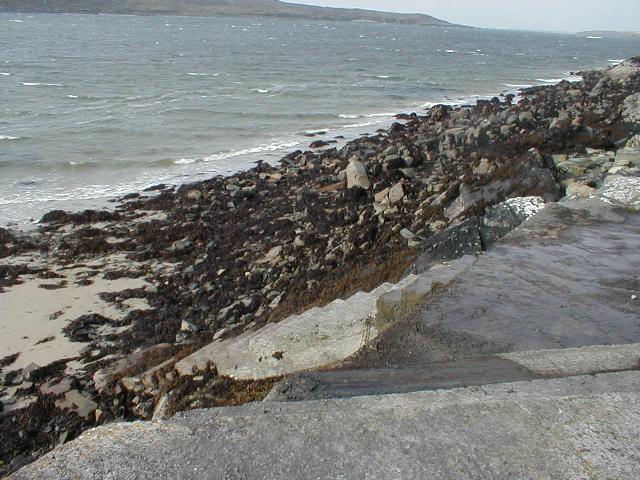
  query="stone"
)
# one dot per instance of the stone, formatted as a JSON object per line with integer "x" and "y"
{"x": 272, "y": 255}
{"x": 396, "y": 193}
{"x": 482, "y": 168}
{"x": 627, "y": 157}
{"x": 631, "y": 109}
{"x": 504, "y": 217}
{"x": 357, "y": 175}
{"x": 105, "y": 378}
{"x": 467, "y": 199}
{"x": 381, "y": 196}
{"x": 623, "y": 190}
{"x": 56, "y": 388}
{"x": 75, "y": 401}
{"x": 188, "y": 327}
{"x": 181, "y": 245}
{"x": 633, "y": 143}
{"x": 407, "y": 234}
{"x": 408, "y": 172}
{"x": 194, "y": 195}
{"x": 161, "y": 410}
{"x": 579, "y": 189}
{"x": 572, "y": 168}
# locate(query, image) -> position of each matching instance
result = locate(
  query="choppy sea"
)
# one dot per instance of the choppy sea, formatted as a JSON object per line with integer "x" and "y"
{"x": 96, "y": 106}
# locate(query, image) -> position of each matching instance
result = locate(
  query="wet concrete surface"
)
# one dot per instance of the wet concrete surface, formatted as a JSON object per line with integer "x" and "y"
{"x": 563, "y": 279}
{"x": 379, "y": 381}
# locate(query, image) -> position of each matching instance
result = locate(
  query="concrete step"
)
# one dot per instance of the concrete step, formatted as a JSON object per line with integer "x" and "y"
{"x": 485, "y": 370}
{"x": 319, "y": 336}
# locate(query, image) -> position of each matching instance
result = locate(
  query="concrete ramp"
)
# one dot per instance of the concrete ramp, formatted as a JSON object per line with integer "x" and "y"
{"x": 320, "y": 336}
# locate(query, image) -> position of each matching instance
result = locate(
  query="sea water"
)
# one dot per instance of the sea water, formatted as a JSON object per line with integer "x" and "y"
{"x": 96, "y": 106}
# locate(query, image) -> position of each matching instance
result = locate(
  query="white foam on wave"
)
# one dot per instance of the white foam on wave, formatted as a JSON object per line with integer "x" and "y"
{"x": 16, "y": 20}
{"x": 469, "y": 100}
{"x": 366, "y": 115}
{"x": 368, "y": 75}
{"x": 4, "y": 74}
{"x": 317, "y": 131}
{"x": 616, "y": 61}
{"x": 9, "y": 137}
{"x": 195, "y": 74}
{"x": 569, "y": 77}
{"x": 383, "y": 114}
{"x": 72, "y": 96}
{"x": 451, "y": 51}
{"x": 185, "y": 161}
{"x": 261, "y": 90}
{"x": 518, "y": 86}
{"x": 272, "y": 147}
{"x": 38, "y": 84}
{"x": 361, "y": 125}
{"x": 593, "y": 37}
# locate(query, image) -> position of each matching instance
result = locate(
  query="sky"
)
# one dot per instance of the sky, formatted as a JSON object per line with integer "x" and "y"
{"x": 550, "y": 15}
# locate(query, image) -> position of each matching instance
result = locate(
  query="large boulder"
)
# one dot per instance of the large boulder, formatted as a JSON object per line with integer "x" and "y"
{"x": 631, "y": 109}
{"x": 623, "y": 71}
{"x": 506, "y": 216}
{"x": 357, "y": 175}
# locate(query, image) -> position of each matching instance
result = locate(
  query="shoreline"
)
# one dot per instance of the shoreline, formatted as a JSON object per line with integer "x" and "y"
{"x": 330, "y": 137}
{"x": 215, "y": 259}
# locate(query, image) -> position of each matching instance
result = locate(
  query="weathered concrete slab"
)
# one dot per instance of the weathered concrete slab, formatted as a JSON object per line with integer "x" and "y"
{"x": 564, "y": 279}
{"x": 483, "y": 370}
{"x": 578, "y": 361}
{"x": 320, "y": 336}
{"x": 580, "y": 427}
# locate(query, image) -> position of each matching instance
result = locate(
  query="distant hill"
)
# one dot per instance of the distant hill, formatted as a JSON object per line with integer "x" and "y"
{"x": 263, "y": 8}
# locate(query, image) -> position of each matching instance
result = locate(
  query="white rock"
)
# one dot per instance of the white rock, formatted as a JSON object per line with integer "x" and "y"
{"x": 357, "y": 175}
{"x": 194, "y": 195}
{"x": 188, "y": 327}
{"x": 634, "y": 143}
{"x": 483, "y": 167}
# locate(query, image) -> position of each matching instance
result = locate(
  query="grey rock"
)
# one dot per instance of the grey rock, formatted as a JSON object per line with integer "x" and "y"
{"x": 631, "y": 109}
{"x": 181, "y": 245}
{"x": 407, "y": 234}
{"x": 396, "y": 193}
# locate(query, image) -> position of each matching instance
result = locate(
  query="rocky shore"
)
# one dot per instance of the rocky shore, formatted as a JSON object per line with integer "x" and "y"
{"x": 101, "y": 306}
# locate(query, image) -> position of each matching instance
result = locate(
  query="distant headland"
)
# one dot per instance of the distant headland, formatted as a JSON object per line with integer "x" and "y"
{"x": 266, "y": 8}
